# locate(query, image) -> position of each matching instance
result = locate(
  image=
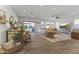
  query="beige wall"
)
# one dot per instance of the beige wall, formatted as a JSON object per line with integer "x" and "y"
{"x": 9, "y": 11}
{"x": 4, "y": 27}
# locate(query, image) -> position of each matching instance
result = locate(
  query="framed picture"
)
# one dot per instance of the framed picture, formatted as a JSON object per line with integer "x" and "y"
{"x": 10, "y": 35}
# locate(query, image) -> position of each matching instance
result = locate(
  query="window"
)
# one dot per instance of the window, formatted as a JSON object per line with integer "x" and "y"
{"x": 76, "y": 24}
{"x": 30, "y": 26}
{"x": 46, "y": 24}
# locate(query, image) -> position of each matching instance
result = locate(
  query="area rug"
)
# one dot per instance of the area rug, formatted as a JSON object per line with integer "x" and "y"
{"x": 57, "y": 37}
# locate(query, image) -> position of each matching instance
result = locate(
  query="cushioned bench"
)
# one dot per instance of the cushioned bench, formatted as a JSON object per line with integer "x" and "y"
{"x": 75, "y": 35}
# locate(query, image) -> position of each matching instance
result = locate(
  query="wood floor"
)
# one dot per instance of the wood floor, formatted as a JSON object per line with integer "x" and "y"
{"x": 38, "y": 45}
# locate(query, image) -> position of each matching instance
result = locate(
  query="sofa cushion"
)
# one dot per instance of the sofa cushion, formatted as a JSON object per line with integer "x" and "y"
{"x": 18, "y": 43}
{"x": 8, "y": 45}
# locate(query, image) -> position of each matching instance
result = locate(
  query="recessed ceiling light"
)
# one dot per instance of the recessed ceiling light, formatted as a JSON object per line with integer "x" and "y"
{"x": 41, "y": 5}
{"x": 33, "y": 16}
{"x": 72, "y": 12}
{"x": 54, "y": 8}
{"x": 24, "y": 10}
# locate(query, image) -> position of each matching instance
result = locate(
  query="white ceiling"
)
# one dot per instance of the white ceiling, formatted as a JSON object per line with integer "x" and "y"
{"x": 46, "y": 11}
